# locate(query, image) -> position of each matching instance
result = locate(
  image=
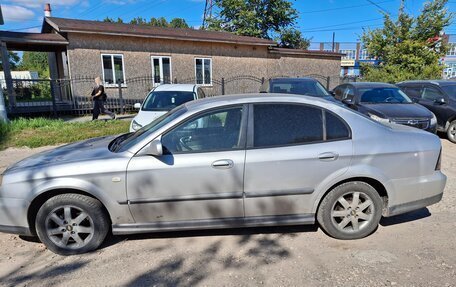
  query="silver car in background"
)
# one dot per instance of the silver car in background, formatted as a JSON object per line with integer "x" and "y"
{"x": 222, "y": 162}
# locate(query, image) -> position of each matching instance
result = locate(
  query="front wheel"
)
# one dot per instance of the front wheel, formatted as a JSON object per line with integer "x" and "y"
{"x": 350, "y": 211}
{"x": 451, "y": 132}
{"x": 72, "y": 224}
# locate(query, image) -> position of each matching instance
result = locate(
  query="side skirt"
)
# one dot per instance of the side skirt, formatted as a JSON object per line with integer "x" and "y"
{"x": 235, "y": 222}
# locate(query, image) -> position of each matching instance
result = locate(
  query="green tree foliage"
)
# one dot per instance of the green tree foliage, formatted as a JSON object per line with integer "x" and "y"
{"x": 155, "y": 22}
{"x": 267, "y": 19}
{"x": 408, "y": 47}
{"x": 13, "y": 60}
{"x": 35, "y": 61}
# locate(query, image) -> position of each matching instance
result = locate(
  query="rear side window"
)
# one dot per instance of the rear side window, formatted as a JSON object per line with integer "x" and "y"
{"x": 336, "y": 129}
{"x": 283, "y": 124}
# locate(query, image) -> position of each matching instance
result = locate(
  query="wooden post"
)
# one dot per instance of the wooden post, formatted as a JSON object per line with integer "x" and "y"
{"x": 223, "y": 86}
{"x": 119, "y": 83}
{"x": 8, "y": 78}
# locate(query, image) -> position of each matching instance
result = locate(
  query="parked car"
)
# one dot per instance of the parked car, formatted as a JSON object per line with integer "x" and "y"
{"x": 385, "y": 103}
{"x": 163, "y": 99}
{"x": 440, "y": 98}
{"x": 255, "y": 160}
{"x": 298, "y": 86}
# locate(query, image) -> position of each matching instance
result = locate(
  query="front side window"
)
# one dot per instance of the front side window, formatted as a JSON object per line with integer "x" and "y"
{"x": 432, "y": 94}
{"x": 113, "y": 69}
{"x": 349, "y": 93}
{"x": 203, "y": 70}
{"x": 286, "y": 124}
{"x": 413, "y": 91}
{"x": 218, "y": 130}
{"x": 161, "y": 70}
{"x": 383, "y": 95}
{"x": 166, "y": 100}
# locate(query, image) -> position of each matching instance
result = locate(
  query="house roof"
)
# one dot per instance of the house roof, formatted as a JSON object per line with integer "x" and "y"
{"x": 32, "y": 41}
{"x": 120, "y": 29}
{"x": 301, "y": 52}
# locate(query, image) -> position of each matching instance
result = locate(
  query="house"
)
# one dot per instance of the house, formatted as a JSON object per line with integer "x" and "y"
{"x": 140, "y": 57}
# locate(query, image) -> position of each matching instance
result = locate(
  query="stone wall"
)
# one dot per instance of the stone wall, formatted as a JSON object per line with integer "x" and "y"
{"x": 228, "y": 60}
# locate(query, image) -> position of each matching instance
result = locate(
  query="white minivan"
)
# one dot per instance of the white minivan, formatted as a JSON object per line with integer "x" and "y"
{"x": 163, "y": 99}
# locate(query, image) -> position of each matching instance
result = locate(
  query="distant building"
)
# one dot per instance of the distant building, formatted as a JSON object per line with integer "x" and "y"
{"x": 23, "y": 75}
{"x": 450, "y": 58}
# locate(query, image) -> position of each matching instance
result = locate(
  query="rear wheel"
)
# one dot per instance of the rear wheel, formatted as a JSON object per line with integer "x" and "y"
{"x": 72, "y": 224}
{"x": 451, "y": 132}
{"x": 350, "y": 211}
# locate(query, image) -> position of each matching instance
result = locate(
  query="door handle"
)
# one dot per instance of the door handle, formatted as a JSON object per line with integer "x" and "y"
{"x": 328, "y": 156}
{"x": 223, "y": 164}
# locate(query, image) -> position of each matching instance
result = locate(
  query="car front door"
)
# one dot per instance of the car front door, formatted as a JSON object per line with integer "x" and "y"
{"x": 292, "y": 148}
{"x": 200, "y": 174}
{"x": 430, "y": 98}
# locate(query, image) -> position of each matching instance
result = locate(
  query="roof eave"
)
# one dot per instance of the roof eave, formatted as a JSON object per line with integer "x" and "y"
{"x": 169, "y": 37}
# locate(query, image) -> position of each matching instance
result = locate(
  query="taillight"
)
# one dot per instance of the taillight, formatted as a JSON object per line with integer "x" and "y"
{"x": 439, "y": 161}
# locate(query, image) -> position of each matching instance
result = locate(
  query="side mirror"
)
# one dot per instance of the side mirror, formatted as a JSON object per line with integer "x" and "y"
{"x": 332, "y": 93}
{"x": 155, "y": 148}
{"x": 440, "y": 101}
{"x": 137, "y": 106}
{"x": 348, "y": 102}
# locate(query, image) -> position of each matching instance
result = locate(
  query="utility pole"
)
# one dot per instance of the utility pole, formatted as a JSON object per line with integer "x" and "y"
{"x": 333, "y": 41}
{"x": 207, "y": 12}
{"x": 3, "y": 115}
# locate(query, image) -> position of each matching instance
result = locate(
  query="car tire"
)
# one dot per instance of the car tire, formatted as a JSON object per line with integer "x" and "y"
{"x": 451, "y": 132}
{"x": 341, "y": 216}
{"x": 71, "y": 224}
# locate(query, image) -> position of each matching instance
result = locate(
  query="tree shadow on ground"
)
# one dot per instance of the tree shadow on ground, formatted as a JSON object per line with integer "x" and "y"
{"x": 406, "y": 217}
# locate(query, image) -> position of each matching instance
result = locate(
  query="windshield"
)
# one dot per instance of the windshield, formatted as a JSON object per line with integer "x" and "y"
{"x": 383, "y": 95}
{"x": 304, "y": 87}
{"x": 124, "y": 142}
{"x": 450, "y": 90}
{"x": 166, "y": 100}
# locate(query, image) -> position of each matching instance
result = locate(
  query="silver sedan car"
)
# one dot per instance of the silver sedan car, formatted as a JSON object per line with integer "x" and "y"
{"x": 231, "y": 161}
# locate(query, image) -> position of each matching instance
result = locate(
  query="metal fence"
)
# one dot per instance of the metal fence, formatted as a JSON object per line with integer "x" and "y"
{"x": 72, "y": 96}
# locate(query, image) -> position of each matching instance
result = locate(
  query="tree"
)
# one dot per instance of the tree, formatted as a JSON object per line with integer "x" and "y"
{"x": 110, "y": 20}
{"x": 178, "y": 23}
{"x": 267, "y": 19}
{"x": 158, "y": 22}
{"x": 35, "y": 61}
{"x": 408, "y": 47}
{"x": 138, "y": 21}
{"x": 13, "y": 60}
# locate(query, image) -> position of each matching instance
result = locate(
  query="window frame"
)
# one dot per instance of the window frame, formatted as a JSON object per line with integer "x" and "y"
{"x": 160, "y": 63}
{"x": 124, "y": 84}
{"x": 196, "y": 75}
{"x": 243, "y": 129}
{"x": 251, "y": 128}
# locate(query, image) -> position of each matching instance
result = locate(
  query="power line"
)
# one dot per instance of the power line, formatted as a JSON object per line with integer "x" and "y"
{"x": 378, "y": 6}
{"x": 342, "y": 8}
{"x": 342, "y": 24}
{"x": 26, "y": 28}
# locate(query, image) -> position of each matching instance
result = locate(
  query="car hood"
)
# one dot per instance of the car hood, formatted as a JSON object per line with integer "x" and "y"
{"x": 146, "y": 117}
{"x": 92, "y": 149}
{"x": 398, "y": 110}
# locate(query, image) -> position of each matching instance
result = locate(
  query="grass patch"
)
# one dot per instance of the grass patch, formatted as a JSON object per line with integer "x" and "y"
{"x": 41, "y": 131}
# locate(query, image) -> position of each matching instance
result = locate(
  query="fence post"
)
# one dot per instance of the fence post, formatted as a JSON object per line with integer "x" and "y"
{"x": 3, "y": 115}
{"x": 223, "y": 86}
{"x": 262, "y": 81}
{"x": 119, "y": 83}
{"x": 328, "y": 79}
{"x": 175, "y": 80}
{"x": 54, "y": 105}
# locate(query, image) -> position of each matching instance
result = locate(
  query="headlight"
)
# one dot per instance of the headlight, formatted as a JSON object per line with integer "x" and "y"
{"x": 135, "y": 126}
{"x": 433, "y": 120}
{"x": 379, "y": 119}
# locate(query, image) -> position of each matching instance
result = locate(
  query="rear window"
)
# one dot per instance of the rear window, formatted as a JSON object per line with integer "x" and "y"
{"x": 305, "y": 87}
{"x": 336, "y": 129}
{"x": 166, "y": 100}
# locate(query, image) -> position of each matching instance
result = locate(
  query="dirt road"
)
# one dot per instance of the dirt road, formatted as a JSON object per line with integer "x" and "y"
{"x": 416, "y": 249}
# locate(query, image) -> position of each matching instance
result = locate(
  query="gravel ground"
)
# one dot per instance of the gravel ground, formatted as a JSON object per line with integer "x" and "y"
{"x": 415, "y": 249}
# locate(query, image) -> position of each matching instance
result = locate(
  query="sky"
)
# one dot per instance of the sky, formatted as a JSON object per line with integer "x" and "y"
{"x": 317, "y": 19}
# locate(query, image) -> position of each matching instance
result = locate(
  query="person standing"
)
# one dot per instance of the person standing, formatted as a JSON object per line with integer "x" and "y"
{"x": 98, "y": 97}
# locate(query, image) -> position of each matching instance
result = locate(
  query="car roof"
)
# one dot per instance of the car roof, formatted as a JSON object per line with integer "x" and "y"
{"x": 434, "y": 82}
{"x": 211, "y": 102}
{"x": 371, "y": 85}
{"x": 303, "y": 79}
{"x": 176, "y": 87}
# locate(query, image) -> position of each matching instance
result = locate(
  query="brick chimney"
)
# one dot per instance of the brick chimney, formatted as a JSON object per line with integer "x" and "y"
{"x": 47, "y": 10}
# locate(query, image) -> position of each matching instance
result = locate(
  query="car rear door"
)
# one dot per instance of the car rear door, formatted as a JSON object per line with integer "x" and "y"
{"x": 292, "y": 149}
{"x": 199, "y": 176}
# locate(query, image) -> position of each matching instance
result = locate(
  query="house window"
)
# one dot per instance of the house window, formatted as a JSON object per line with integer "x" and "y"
{"x": 161, "y": 70}
{"x": 113, "y": 69}
{"x": 451, "y": 49}
{"x": 203, "y": 71}
{"x": 349, "y": 54}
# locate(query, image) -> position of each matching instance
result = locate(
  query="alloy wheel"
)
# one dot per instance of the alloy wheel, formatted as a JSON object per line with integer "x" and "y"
{"x": 352, "y": 212}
